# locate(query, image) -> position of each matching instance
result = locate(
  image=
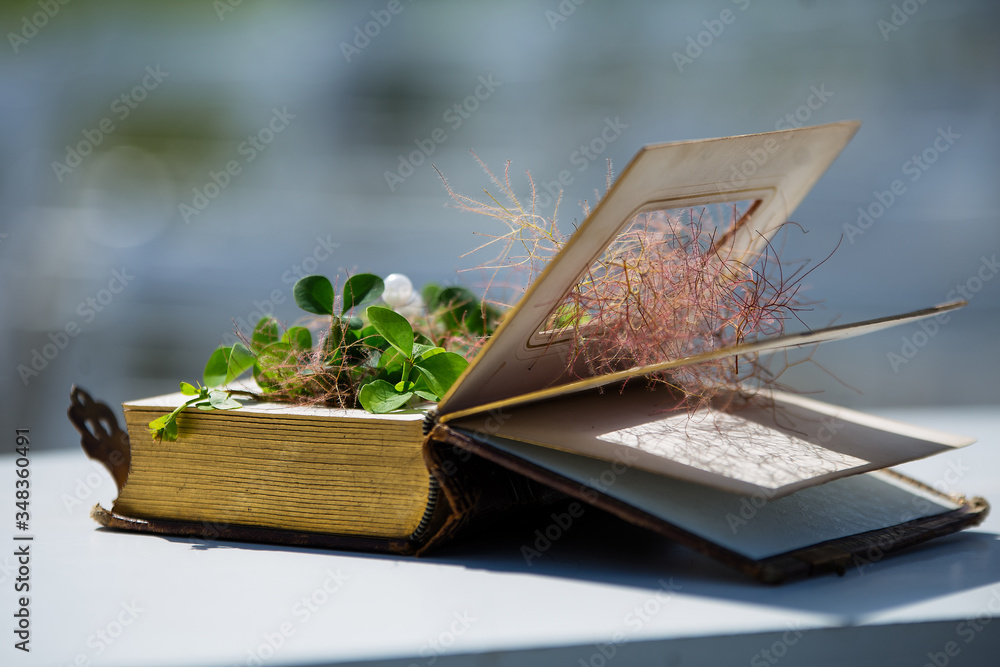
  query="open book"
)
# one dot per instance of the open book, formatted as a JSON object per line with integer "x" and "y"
{"x": 522, "y": 428}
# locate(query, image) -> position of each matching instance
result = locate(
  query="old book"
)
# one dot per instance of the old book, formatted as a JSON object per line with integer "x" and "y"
{"x": 521, "y": 428}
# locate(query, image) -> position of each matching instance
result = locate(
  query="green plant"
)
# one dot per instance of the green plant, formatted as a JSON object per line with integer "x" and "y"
{"x": 373, "y": 358}
{"x": 665, "y": 288}
{"x": 165, "y": 427}
{"x": 407, "y": 368}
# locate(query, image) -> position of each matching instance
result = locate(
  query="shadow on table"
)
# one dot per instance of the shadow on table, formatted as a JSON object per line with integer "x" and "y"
{"x": 602, "y": 549}
{"x": 606, "y": 550}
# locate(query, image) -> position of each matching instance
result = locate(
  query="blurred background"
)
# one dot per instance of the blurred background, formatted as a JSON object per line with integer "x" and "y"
{"x": 170, "y": 168}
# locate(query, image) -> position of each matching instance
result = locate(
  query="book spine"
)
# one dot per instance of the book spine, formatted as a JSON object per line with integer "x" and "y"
{"x": 424, "y": 526}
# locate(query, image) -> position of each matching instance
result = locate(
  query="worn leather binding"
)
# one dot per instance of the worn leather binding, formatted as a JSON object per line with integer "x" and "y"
{"x": 832, "y": 556}
{"x": 466, "y": 492}
{"x": 479, "y": 487}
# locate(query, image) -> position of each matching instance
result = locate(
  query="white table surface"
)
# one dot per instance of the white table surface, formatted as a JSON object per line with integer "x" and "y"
{"x": 599, "y": 591}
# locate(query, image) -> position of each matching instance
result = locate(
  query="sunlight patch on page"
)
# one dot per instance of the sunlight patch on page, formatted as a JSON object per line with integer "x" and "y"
{"x": 729, "y": 445}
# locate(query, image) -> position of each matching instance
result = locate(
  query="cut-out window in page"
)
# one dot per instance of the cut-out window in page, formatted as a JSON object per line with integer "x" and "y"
{"x": 537, "y": 347}
{"x": 628, "y": 272}
{"x": 667, "y": 288}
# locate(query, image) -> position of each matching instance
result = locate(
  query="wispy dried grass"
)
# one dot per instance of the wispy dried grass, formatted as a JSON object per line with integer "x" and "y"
{"x": 663, "y": 290}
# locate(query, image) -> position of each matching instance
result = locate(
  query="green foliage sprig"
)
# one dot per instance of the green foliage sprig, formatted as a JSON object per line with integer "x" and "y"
{"x": 165, "y": 427}
{"x": 376, "y": 358}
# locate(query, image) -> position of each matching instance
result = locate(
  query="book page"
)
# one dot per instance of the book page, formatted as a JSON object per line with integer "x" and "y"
{"x": 171, "y": 401}
{"x": 764, "y": 346}
{"x": 753, "y": 526}
{"x": 664, "y": 176}
{"x": 775, "y": 445}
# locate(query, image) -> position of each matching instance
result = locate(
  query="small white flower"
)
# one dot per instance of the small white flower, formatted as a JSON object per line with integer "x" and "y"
{"x": 413, "y": 309}
{"x": 401, "y": 297}
{"x": 398, "y": 291}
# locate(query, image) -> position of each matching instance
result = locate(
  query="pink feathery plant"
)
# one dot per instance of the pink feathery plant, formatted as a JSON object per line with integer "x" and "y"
{"x": 665, "y": 289}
